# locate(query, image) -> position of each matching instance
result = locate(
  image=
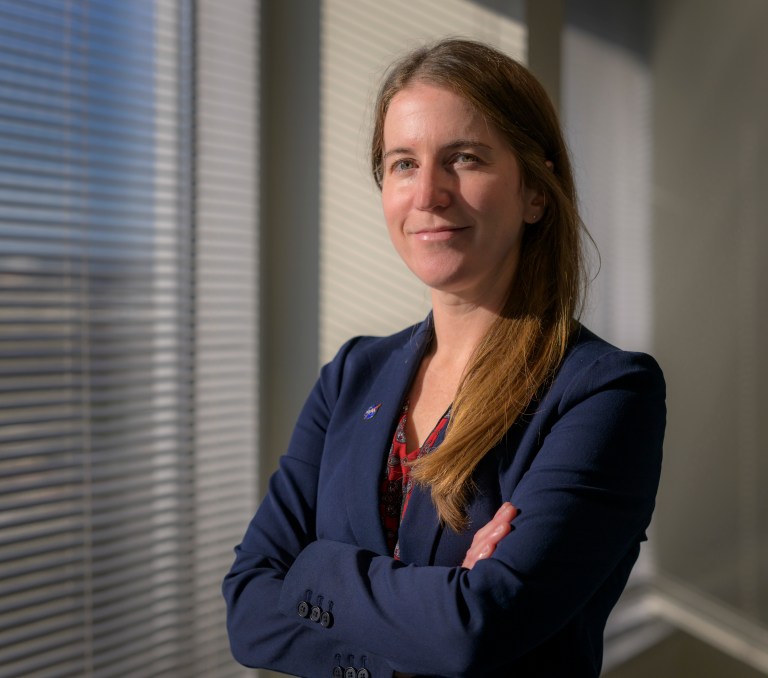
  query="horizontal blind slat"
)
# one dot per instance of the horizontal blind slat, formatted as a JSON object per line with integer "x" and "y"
{"x": 97, "y": 326}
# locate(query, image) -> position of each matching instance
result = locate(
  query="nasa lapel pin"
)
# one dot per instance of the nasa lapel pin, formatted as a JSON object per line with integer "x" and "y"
{"x": 370, "y": 413}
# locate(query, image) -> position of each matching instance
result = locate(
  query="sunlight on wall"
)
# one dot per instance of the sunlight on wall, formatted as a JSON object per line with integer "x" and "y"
{"x": 607, "y": 104}
{"x": 364, "y": 287}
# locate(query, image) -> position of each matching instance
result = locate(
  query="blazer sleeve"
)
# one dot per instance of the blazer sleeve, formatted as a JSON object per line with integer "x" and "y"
{"x": 584, "y": 504}
{"x": 260, "y": 633}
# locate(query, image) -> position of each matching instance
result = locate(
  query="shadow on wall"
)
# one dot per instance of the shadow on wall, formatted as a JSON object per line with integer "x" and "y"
{"x": 710, "y": 252}
{"x": 680, "y": 222}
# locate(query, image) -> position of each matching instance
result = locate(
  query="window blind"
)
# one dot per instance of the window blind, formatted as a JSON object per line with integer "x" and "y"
{"x": 126, "y": 336}
{"x": 227, "y": 310}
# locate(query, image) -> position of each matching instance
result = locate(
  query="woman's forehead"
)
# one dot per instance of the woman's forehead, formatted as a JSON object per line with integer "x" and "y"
{"x": 424, "y": 111}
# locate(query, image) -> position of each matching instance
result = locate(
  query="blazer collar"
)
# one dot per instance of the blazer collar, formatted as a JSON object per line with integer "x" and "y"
{"x": 371, "y": 436}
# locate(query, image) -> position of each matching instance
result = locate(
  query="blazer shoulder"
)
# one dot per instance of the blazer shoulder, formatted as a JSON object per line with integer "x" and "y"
{"x": 361, "y": 358}
{"x": 592, "y": 360}
{"x": 413, "y": 337}
{"x": 376, "y": 349}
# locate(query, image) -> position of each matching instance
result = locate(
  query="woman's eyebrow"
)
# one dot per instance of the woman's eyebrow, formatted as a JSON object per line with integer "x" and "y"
{"x": 396, "y": 151}
{"x": 466, "y": 143}
{"x": 453, "y": 145}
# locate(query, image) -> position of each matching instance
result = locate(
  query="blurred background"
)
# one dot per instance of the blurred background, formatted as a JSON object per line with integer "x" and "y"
{"x": 188, "y": 230}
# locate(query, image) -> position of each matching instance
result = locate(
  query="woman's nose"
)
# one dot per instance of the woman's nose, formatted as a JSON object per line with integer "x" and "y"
{"x": 433, "y": 189}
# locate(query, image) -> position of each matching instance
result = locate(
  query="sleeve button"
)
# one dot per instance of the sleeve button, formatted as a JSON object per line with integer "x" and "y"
{"x": 350, "y": 672}
{"x": 303, "y": 609}
{"x": 338, "y": 672}
{"x": 315, "y": 614}
{"x": 363, "y": 673}
{"x": 326, "y": 620}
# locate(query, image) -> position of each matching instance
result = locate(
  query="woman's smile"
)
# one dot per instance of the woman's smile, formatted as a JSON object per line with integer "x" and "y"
{"x": 438, "y": 233}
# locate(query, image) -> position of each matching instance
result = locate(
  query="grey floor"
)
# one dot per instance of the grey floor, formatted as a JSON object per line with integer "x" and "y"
{"x": 682, "y": 656}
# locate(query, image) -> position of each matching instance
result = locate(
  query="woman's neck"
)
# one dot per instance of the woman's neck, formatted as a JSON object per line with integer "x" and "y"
{"x": 459, "y": 328}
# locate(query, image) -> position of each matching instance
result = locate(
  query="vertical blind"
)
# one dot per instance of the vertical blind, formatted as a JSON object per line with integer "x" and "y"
{"x": 226, "y": 307}
{"x": 113, "y": 519}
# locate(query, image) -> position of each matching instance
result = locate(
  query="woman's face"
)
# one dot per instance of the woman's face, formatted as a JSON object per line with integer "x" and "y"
{"x": 452, "y": 194}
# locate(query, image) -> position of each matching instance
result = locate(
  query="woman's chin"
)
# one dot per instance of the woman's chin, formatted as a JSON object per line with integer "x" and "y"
{"x": 443, "y": 280}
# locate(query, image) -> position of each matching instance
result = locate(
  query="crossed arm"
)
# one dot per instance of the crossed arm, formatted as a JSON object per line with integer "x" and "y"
{"x": 483, "y": 545}
{"x": 597, "y": 467}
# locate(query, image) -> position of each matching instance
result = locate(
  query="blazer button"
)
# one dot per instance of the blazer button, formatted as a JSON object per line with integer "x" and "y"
{"x": 363, "y": 673}
{"x": 338, "y": 672}
{"x": 315, "y": 614}
{"x": 303, "y": 609}
{"x": 350, "y": 672}
{"x": 326, "y": 620}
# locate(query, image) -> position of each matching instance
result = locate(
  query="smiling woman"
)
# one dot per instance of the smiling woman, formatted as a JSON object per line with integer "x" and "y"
{"x": 469, "y": 495}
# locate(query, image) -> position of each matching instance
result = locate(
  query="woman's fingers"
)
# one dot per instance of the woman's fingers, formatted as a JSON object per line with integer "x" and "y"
{"x": 487, "y": 537}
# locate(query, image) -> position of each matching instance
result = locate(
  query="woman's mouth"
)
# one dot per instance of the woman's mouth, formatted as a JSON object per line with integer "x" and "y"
{"x": 439, "y": 233}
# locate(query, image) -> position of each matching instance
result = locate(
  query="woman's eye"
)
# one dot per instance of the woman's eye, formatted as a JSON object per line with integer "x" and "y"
{"x": 403, "y": 165}
{"x": 465, "y": 158}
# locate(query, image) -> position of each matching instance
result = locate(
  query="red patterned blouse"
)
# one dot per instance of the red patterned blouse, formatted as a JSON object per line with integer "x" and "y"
{"x": 397, "y": 484}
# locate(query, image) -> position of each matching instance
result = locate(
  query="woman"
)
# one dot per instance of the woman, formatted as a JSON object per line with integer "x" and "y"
{"x": 466, "y": 497}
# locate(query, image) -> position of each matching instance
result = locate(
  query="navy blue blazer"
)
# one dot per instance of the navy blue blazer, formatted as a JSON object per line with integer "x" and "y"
{"x": 313, "y": 592}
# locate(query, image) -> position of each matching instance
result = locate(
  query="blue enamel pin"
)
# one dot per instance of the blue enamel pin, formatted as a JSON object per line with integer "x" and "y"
{"x": 370, "y": 413}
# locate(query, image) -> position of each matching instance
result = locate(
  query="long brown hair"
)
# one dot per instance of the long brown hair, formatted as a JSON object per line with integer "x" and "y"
{"x": 525, "y": 345}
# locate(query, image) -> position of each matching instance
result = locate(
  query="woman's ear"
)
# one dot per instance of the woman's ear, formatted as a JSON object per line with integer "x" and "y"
{"x": 535, "y": 203}
{"x": 536, "y": 200}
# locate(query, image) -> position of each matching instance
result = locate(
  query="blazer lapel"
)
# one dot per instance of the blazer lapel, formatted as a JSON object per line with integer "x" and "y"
{"x": 371, "y": 437}
{"x": 420, "y": 528}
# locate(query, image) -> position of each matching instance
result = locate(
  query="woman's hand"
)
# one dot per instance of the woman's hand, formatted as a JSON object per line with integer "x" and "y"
{"x": 489, "y": 535}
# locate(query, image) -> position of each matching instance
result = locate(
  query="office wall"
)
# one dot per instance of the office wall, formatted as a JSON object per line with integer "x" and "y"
{"x": 710, "y": 210}
{"x": 665, "y": 106}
